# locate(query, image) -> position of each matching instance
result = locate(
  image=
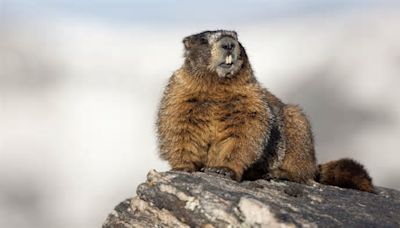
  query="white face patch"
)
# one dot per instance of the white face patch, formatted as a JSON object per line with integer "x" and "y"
{"x": 213, "y": 37}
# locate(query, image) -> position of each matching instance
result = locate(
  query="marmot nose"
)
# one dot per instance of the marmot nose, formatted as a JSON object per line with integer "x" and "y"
{"x": 228, "y": 46}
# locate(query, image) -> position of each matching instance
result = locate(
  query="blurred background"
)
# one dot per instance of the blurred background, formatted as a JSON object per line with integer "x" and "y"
{"x": 80, "y": 83}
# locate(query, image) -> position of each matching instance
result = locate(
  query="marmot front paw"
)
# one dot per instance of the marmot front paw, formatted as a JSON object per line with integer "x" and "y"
{"x": 184, "y": 169}
{"x": 224, "y": 171}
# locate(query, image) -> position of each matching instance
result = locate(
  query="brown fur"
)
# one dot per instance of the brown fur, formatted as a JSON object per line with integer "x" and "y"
{"x": 345, "y": 173}
{"x": 299, "y": 163}
{"x": 212, "y": 124}
{"x": 217, "y": 118}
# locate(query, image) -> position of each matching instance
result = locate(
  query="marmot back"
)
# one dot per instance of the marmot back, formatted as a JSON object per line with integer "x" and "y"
{"x": 215, "y": 117}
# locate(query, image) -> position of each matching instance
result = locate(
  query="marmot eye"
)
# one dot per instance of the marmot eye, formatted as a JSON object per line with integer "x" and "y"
{"x": 203, "y": 41}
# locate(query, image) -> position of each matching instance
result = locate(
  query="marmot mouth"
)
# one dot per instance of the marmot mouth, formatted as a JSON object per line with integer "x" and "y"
{"x": 225, "y": 65}
{"x": 228, "y": 59}
{"x": 228, "y": 62}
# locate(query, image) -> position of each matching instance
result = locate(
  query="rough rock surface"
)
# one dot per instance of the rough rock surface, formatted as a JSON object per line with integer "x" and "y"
{"x": 178, "y": 199}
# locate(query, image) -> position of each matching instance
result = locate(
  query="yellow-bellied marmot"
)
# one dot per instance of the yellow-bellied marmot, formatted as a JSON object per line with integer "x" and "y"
{"x": 216, "y": 117}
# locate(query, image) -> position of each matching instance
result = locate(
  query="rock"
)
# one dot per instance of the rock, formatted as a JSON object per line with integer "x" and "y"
{"x": 179, "y": 199}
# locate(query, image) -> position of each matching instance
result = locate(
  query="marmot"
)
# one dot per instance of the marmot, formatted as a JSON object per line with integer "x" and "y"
{"x": 216, "y": 117}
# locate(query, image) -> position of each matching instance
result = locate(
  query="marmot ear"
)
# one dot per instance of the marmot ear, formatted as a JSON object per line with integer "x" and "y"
{"x": 187, "y": 42}
{"x": 235, "y": 34}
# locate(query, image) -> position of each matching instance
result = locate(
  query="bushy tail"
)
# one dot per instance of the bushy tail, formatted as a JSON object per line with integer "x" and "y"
{"x": 345, "y": 173}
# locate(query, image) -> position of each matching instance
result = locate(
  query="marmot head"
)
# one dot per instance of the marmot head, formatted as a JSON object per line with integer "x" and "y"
{"x": 214, "y": 52}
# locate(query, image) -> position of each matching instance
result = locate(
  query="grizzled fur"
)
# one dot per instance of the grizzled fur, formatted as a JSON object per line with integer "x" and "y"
{"x": 216, "y": 117}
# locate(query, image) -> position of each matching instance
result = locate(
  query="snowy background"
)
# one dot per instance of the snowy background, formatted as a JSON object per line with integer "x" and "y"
{"x": 80, "y": 82}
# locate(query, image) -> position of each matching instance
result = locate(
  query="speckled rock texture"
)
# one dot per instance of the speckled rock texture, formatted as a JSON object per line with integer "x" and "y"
{"x": 178, "y": 199}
